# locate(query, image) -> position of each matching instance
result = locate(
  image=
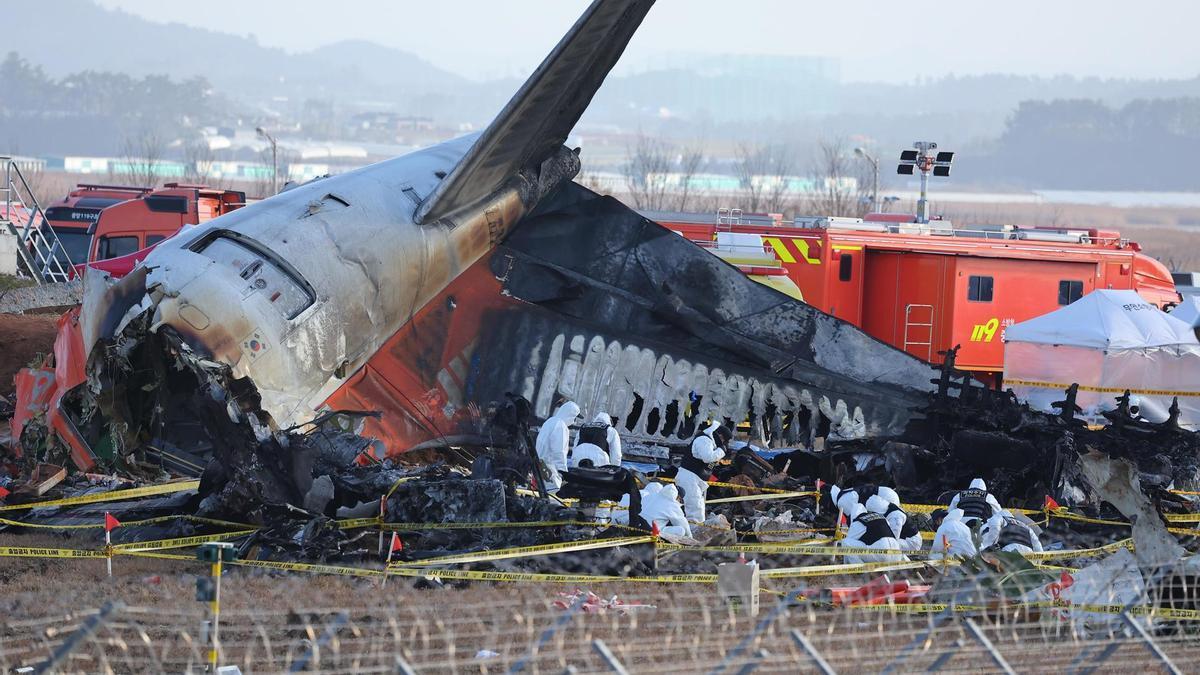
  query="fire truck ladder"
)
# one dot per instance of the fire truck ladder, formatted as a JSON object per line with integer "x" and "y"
{"x": 918, "y": 317}
{"x": 41, "y": 254}
{"x": 727, "y": 218}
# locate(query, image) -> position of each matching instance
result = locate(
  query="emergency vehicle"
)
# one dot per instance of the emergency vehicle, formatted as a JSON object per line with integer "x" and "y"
{"x": 926, "y": 287}
{"x": 113, "y": 227}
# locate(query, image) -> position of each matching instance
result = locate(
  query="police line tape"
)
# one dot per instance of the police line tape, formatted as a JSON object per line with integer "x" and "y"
{"x": 110, "y": 496}
{"x": 180, "y": 542}
{"x": 1101, "y": 390}
{"x": 34, "y": 552}
{"x": 1062, "y": 605}
{"x": 801, "y": 548}
{"x": 762, "y": 497}
{"x": 526, "y": 551}
{"x": 126, "y": 523}
{"x": 930, "y": 508}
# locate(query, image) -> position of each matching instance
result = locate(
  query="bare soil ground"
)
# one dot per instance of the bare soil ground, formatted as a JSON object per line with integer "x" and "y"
{"x": 22, "y": 338}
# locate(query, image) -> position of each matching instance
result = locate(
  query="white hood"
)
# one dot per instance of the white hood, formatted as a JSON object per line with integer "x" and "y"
{"x": 603, "y": 418}
{"x": 978, "y": 484}
{"x": 877, "y": 504}
{"x": 889, "y": 495}
{"x": 567, "y": 412}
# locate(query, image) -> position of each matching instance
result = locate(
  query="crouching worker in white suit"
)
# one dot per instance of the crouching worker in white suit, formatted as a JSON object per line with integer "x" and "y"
{"x": 869, "y": 528}
{"x": 707, "y": 449}
{"x": 660, "y": 504}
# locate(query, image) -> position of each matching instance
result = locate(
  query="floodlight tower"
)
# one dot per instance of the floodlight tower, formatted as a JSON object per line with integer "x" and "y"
{"x": 923, "y": 158}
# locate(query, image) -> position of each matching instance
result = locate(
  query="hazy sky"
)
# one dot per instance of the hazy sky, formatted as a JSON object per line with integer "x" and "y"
{"x": 876, "y": 40}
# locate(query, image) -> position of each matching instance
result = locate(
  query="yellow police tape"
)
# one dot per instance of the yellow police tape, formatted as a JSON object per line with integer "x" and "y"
{"x": 764, "y": 497}
{"x": 31, "y": 552}
{"x": 717, "y": 483}
{"x": 930, "y": 508}
{"x": 1136, "y": 610}
{"x": 1101, "y": 390}
{"x": 180, "y": 542}
{"x": 126, "y": 523}
{"x": 526, "y": 551}
{"x": 110, "y": 496}
{"x": 815, "y": 548}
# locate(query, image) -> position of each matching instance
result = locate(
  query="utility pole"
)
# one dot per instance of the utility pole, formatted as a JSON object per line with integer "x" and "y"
{"x": 274, "y": 159}
{"x": 875, "y": 184}
{"x": 923, "y": 158}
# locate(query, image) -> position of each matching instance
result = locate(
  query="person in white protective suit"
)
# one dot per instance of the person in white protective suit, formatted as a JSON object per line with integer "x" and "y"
{"x": 553, "y": 442}
{"x": 1007, "y": 532}
{"x": 662, "y": 507}
{"x": 587, "y": 454}
{"x": 843, "y": 498}
{"x": 977, "y": 504}
{"x": 953, "y": 538}
{"x": 614, "y": 439}
{"x": 660, "y": 504}
{"x": 902, "y": 526}
{"x": 870, "y": 529}
{"x": 707, "y": 449}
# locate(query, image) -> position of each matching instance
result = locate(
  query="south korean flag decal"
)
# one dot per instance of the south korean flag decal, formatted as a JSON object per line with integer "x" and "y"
{"x": 255, "y": 345}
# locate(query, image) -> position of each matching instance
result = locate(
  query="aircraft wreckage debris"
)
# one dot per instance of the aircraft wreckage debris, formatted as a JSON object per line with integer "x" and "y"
{"x": 386, "y": 351}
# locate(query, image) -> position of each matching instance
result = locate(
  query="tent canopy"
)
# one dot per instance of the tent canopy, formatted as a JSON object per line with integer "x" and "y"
{"x": 1105, "y": 319}
{"x": 1188, "y": 311}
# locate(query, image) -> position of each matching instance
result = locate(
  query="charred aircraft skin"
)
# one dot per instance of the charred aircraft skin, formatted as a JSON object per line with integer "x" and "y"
{"x": 298, "y": 291}
{"x": 383, "y": 290}
{"x": 587, "y": 300}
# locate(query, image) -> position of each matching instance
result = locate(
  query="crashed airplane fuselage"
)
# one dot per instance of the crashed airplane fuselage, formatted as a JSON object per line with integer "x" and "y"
{"x": 389, "y": 289}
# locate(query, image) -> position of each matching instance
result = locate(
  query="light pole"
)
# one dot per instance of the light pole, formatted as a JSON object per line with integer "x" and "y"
{"x": 922, "y": 158}
{"x": 874, "y": 185}
{"x": 274, "y": 159}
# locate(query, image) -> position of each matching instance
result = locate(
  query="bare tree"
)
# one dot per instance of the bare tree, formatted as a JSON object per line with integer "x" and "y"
{"x": 765, "y": 175}
{"x": 649, "y": 161}
{"x": 690, "y": 160}
{"x": 838, "y": 185}
{"x": 142, "y": 156}
{"x": 197, "y": 161}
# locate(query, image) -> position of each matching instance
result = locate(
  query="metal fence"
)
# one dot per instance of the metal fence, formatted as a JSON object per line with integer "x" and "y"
{"x": 518, "y": 627}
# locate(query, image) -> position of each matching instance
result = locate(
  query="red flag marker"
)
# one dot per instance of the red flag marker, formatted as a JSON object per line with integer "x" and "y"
{"x": 110, "y": 524}
{"x": 1051, "y": 505}
{"x": 397, "y": 545}
{"x": 654, "y": 528}
{"x": 3, "y": 492}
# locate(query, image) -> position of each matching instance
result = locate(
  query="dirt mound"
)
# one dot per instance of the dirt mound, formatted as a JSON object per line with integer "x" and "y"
{"x": 22, "y": 337}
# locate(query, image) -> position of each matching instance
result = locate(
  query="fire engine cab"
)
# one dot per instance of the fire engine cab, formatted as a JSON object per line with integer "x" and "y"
{"x": 926, "y": 287}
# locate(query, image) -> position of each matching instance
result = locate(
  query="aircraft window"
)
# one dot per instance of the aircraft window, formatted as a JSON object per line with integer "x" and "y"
{"x": 152, "y": 239}
{"x": 1069, "y": 291}
{"x": 115, "y": 247}
{"x": 846, "y": 267}
{"x": 284, "y": 290}
{"x": 979, "y": 289}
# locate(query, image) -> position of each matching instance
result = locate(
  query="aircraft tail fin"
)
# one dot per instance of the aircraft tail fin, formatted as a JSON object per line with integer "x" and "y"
{"x": 536, "y": 122}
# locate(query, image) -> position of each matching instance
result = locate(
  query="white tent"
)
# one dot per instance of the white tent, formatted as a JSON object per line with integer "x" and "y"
{"x": 1188, "y": 311}
{"x": 1107, "y": 342}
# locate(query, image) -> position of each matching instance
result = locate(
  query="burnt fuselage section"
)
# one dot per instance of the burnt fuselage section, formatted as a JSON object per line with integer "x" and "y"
{"x": 588, "y": 300}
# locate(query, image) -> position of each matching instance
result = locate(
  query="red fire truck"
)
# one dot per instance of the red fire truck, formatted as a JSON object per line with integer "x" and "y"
{"x": 112, "y": 228}
{"x": 927, "y": 287}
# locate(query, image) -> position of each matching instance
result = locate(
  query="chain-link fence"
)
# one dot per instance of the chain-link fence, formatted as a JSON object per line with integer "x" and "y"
{"x": 425, "y": 627}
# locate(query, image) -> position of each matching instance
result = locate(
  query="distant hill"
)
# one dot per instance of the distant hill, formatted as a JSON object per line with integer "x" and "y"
{"x": 79, "y": 35}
